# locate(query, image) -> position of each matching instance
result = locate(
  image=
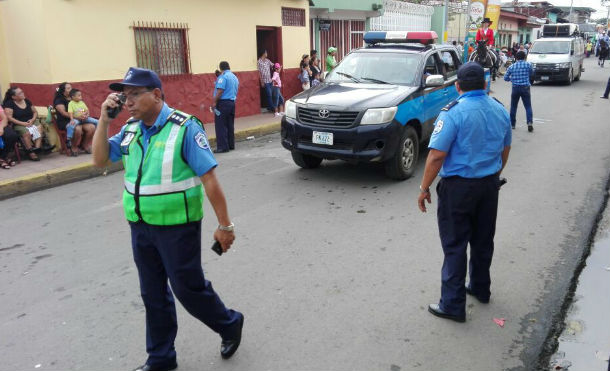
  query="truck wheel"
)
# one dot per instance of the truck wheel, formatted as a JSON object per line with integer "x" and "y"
{"x": 570, "y": 77}
{"x": 577, "y": 77}
{"x": 402, "y": 165}
{"x": 306, "y": 161}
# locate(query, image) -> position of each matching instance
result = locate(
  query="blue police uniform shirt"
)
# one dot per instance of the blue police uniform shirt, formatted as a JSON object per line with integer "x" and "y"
{"x": 473, "y": 133}
{"x": 196, "y": 149}
{"x": 229, "y": 83}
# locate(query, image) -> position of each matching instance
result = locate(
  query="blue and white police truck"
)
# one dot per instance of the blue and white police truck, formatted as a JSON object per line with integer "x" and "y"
{"x": 378, "y": 105}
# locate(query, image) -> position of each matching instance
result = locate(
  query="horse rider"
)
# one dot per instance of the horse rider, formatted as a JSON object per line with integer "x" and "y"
{"x": 485, "y": 33}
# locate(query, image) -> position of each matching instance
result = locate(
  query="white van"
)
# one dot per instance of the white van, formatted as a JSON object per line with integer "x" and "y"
{"x": 558, "y": 58}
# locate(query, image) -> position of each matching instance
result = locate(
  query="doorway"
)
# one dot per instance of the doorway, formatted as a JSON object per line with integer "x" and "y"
{"x": 269, "y": 39}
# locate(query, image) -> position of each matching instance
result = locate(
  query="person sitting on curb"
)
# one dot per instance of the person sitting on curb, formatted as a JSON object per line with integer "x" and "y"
{"x": 22, "y": 115}
{"x": 79, "y": 115}
{"x": 8, "y": 138}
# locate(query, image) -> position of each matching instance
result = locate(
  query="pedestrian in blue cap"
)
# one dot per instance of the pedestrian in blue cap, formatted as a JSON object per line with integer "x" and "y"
{"x": 168, "y": 165}
{"x": 469, "y": 148}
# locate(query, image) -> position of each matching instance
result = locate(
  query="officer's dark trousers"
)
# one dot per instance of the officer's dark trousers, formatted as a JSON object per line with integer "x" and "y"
{"x": 607, "y": 91}
{"x": 467, "y": 210}
{"x": 174, "y": 253}
{"x": 225, "y": 125}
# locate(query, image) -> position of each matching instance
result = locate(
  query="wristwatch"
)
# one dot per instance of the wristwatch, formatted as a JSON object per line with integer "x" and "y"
{"x": 228, "y": 228}
{"x": 427, "y": 190}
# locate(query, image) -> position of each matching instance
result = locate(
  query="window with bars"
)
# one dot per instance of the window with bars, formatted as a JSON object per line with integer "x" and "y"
{"x": 293, "y": 17}
{"x": 162, "y": 47}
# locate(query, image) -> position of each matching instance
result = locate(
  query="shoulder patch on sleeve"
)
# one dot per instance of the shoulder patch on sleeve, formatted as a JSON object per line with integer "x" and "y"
{"x": 450, "y": 105}
{"x": 202, "y": 141}
{"x": 494, "y": 98}
{"x": 178, "y": 118}
{"x": 438, "y": 127}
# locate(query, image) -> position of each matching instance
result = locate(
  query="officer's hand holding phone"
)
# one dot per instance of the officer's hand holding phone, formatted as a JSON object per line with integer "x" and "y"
{"x": 112, "y": 106}
{"x": 224, "y": 238}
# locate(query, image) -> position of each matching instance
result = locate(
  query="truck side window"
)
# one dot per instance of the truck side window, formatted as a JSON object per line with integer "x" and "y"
{"x": 450, "y": 63}
{"x": 431, "y": 67}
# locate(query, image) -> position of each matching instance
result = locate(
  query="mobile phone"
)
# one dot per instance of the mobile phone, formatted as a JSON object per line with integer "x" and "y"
{"x": 502, "y": 182}
{"x": 113, "y": 112}
{"x": 217, "y": 248}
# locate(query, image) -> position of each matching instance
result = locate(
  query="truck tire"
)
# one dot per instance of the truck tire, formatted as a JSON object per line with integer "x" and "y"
{"x": 570, "y": 77}
{"x": 402, "y": 165}
{"x": 306, "y": 161}
{"x": 577, "y": 77}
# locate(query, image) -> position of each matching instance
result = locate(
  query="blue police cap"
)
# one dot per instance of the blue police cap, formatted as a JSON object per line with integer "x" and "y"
{"x": 138, "y": 77}
{"x": 471, "y": 71}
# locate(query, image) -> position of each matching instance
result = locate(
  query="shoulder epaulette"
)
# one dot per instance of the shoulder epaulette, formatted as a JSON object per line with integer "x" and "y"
{"x": 494, "y": 98}
{"x": 178, "y": 118}
{"x": 450, "y": 105}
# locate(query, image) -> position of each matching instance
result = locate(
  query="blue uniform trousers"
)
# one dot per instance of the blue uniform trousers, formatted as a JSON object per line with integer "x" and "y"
{"x": 467, "y": 210}
{"x": 174, "y": 253}
{"x": 225, "y": 125}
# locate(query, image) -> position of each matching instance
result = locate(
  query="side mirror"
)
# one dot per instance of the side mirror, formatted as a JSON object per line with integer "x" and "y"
{"x": 435, "y": 80}
{"x": 571, "y": 52}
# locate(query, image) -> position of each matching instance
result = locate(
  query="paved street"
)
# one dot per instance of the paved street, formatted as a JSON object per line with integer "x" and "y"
{"x": 333, "y": 267}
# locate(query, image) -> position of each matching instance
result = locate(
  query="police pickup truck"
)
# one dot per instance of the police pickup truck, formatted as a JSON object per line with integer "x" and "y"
{"x": 378, "y": 105}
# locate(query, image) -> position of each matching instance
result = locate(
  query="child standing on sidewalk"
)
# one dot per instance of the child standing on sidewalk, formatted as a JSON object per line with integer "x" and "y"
{"x": 79, "y": 114}
{"x": 278, "y": 100}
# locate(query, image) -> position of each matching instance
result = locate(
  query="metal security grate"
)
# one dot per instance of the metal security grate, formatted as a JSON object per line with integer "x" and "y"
{"x": 293, "y": 17}
{"x": 162, "y": 47}
{"x": 330, "y": 118}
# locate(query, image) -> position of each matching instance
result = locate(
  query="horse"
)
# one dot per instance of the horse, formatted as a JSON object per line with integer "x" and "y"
{"x": 603, "y": 52}
{"x": 486, "y": 58}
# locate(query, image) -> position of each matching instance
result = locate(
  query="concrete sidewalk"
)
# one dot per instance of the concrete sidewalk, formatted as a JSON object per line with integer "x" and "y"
{"x": 57, "y": 169}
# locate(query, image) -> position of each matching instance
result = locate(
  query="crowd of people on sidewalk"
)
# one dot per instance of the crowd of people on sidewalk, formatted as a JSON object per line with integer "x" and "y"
{"x": 21, "y": 129}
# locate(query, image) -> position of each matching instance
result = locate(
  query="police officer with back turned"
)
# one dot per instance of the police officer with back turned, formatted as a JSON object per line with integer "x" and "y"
{"x": 167, "y": 157}
{"x": 469, "y": 146}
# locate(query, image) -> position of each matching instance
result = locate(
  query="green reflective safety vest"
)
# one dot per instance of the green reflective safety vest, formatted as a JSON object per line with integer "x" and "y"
{"x": 160, "y": 187}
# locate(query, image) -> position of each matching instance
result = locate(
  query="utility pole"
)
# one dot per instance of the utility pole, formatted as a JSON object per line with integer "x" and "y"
{"x": 445, "y": 21}
{"x": 570, "y": 15}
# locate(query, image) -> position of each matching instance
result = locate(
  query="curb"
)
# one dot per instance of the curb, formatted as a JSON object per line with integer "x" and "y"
{"x": 74, "y": 173}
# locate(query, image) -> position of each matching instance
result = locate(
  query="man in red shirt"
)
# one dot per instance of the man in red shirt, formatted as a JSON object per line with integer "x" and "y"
{"x": 485, "y": 33}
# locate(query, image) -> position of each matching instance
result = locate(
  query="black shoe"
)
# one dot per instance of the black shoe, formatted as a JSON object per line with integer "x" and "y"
{"x": 48, "y": 148}
{"x": 530, "y": 127}
{"x": 231, "y": 148}
{"x": 229, "y": 346}
{"x": 513, "y": 126}
{"x": 480, "y": 299}
{"x": 604, "y": 97}
{"x": 147, "y": 367}
{"x": 437, "y": 311}
{"x": 221, "y": 150}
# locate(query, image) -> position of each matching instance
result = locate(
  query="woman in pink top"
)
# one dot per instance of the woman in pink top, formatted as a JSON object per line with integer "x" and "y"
{"x": 278, "y": 100}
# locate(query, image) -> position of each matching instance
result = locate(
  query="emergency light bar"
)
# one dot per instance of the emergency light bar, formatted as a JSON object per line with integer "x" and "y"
{"x": 420, "y": 37}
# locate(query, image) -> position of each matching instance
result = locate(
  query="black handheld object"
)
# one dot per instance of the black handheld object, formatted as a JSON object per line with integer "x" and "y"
{"x": 217, "y": 248}
{"x": 113, "y": 112}
{"x": 502, "y": 182}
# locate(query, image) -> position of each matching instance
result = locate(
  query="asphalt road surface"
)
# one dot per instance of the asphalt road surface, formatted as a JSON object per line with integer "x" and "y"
{"x": 334, "y": 268}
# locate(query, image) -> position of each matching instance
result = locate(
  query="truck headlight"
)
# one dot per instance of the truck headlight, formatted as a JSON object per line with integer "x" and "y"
{"x": 291, "y": 109}
{"x": 374, "y": 116}
{"x": 564, "y": 65}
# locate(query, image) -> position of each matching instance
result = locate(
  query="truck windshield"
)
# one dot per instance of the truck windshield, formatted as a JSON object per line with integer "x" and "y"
{"x": 377, "y": 68}
{"x": 550, "y": 47}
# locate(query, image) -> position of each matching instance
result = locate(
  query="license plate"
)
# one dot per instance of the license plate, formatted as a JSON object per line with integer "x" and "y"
{"x": 544, "y": 77}
{"x": 319, "y": 137}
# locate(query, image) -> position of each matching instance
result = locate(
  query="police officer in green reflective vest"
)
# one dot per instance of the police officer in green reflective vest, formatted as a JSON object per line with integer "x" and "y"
{"x": 168, "y": 165}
